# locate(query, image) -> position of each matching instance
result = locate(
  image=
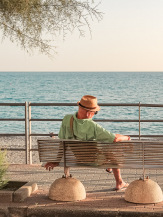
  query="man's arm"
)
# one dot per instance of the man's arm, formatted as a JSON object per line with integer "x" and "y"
{"x": 50, "y": 165}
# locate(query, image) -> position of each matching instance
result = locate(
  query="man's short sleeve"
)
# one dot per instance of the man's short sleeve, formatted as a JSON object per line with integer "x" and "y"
{"x": 104, "y": 135}
{"x": 65, "y": 131}
{"x": 61, "y": 134}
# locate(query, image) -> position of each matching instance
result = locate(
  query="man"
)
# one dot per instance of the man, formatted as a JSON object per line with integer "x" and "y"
{"x": 84, "y": 128}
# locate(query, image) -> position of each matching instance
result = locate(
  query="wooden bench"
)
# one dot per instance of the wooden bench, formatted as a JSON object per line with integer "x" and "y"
{"x": 144, "y": 154}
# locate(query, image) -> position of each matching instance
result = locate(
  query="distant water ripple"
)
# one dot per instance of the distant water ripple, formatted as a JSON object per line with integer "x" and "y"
{"x": 109, "y": 87}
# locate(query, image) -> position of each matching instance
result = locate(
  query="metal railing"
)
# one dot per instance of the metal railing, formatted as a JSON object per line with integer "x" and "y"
{"x": 139, "y": 120}
{"x": 29, "y": 120}
{"x": 25, "y": 120}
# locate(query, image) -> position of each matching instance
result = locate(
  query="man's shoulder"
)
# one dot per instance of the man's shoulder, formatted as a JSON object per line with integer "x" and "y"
{"x": 67, "y": 117}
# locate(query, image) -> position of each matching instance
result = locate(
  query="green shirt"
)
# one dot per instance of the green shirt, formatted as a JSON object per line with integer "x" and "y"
{"x": 84, "y": 129}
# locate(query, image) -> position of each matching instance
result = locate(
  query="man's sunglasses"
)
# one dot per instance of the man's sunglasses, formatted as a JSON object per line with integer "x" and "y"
{"x": 87, "y": 108}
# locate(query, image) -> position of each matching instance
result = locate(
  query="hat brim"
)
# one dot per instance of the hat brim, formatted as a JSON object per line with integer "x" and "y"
{"x": 89, "y": 109}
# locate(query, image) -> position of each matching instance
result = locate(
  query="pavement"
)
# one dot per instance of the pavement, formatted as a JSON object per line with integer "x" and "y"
{"x": 101, "y": 199}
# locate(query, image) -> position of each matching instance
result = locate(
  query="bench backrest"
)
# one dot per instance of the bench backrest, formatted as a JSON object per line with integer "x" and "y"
{"x": 129, "y": 154}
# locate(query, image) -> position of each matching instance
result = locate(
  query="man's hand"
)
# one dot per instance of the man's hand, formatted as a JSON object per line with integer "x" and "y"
{"x": 119, "y": 138}
{"x": 50, "y": 165}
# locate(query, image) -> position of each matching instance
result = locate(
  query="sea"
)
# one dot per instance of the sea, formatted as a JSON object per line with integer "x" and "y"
{"x": 69, "y": 87}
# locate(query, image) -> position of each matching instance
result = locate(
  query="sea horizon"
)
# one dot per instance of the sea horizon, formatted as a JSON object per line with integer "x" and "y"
{"x": 69, "y": 87}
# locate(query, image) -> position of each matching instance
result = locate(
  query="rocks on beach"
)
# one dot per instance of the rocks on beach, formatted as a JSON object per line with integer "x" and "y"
{"x": 18, "y": 142}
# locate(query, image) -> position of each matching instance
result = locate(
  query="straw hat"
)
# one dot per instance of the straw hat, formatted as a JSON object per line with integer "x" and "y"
{"x": 89, "y": 103}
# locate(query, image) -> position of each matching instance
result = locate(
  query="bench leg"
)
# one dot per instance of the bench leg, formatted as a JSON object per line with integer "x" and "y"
{"x": 67, "y": 172}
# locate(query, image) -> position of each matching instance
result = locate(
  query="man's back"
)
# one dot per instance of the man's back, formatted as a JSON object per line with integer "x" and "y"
{"x": 84, "y": 129}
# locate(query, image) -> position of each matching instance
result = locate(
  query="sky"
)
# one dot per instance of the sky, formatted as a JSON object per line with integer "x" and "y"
{"x": 129, "y": 38}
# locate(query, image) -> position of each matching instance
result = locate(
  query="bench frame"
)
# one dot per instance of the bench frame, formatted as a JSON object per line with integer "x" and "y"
{"x": 147, "y": 149}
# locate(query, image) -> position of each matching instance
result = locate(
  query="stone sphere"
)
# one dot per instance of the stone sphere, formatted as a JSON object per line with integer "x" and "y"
{"x": 67, "y": 189}
{"x": 143, "y": 191}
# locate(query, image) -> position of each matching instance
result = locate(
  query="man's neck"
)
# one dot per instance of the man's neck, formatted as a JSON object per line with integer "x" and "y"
{"x": 80, "y": 116}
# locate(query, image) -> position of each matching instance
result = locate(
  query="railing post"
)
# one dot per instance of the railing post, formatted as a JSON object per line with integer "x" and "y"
{"x": 139, "y": 120}
{"x": 26, "y": 131}
{"x": 29, "y": 124}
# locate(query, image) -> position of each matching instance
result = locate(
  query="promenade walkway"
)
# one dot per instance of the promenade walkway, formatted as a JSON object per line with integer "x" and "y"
{"x": 101, "y": 199}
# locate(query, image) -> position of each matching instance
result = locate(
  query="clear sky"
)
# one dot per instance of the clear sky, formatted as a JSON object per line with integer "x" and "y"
{"x": 129, "y": 38}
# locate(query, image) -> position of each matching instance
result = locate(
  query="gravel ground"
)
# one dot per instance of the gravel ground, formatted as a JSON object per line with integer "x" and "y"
{"x": 18, "y": 142}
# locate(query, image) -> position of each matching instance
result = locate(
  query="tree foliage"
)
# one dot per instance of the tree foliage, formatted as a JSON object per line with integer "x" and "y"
{"x": 3, "y": 169}
{"x": 34, "y": 24}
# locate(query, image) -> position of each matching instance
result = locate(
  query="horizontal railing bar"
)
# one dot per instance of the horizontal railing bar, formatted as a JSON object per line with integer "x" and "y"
{"x": 123, "y": 120}
{"x": 119, "y": 104}
{"x": 151, "y": 105}
{"x": 52, "y": 104}
{"x": 42, "y": 134}
{"x": 45, "y": 134}
{"x": 96, "y": 120}
{"x": 99, "y": 120}
{"x": 12, "y": 104}
{"x": 13, "y": 149}
{"x": 152, "y": 120}
{"x": 100, "y": 104}
{"x": 131, "y": 104}
{"x": 12, "y": 119}
{"x": 151, "y": 135}
{"x": 12, "y": 134}
{"x": 42, "y": 119}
